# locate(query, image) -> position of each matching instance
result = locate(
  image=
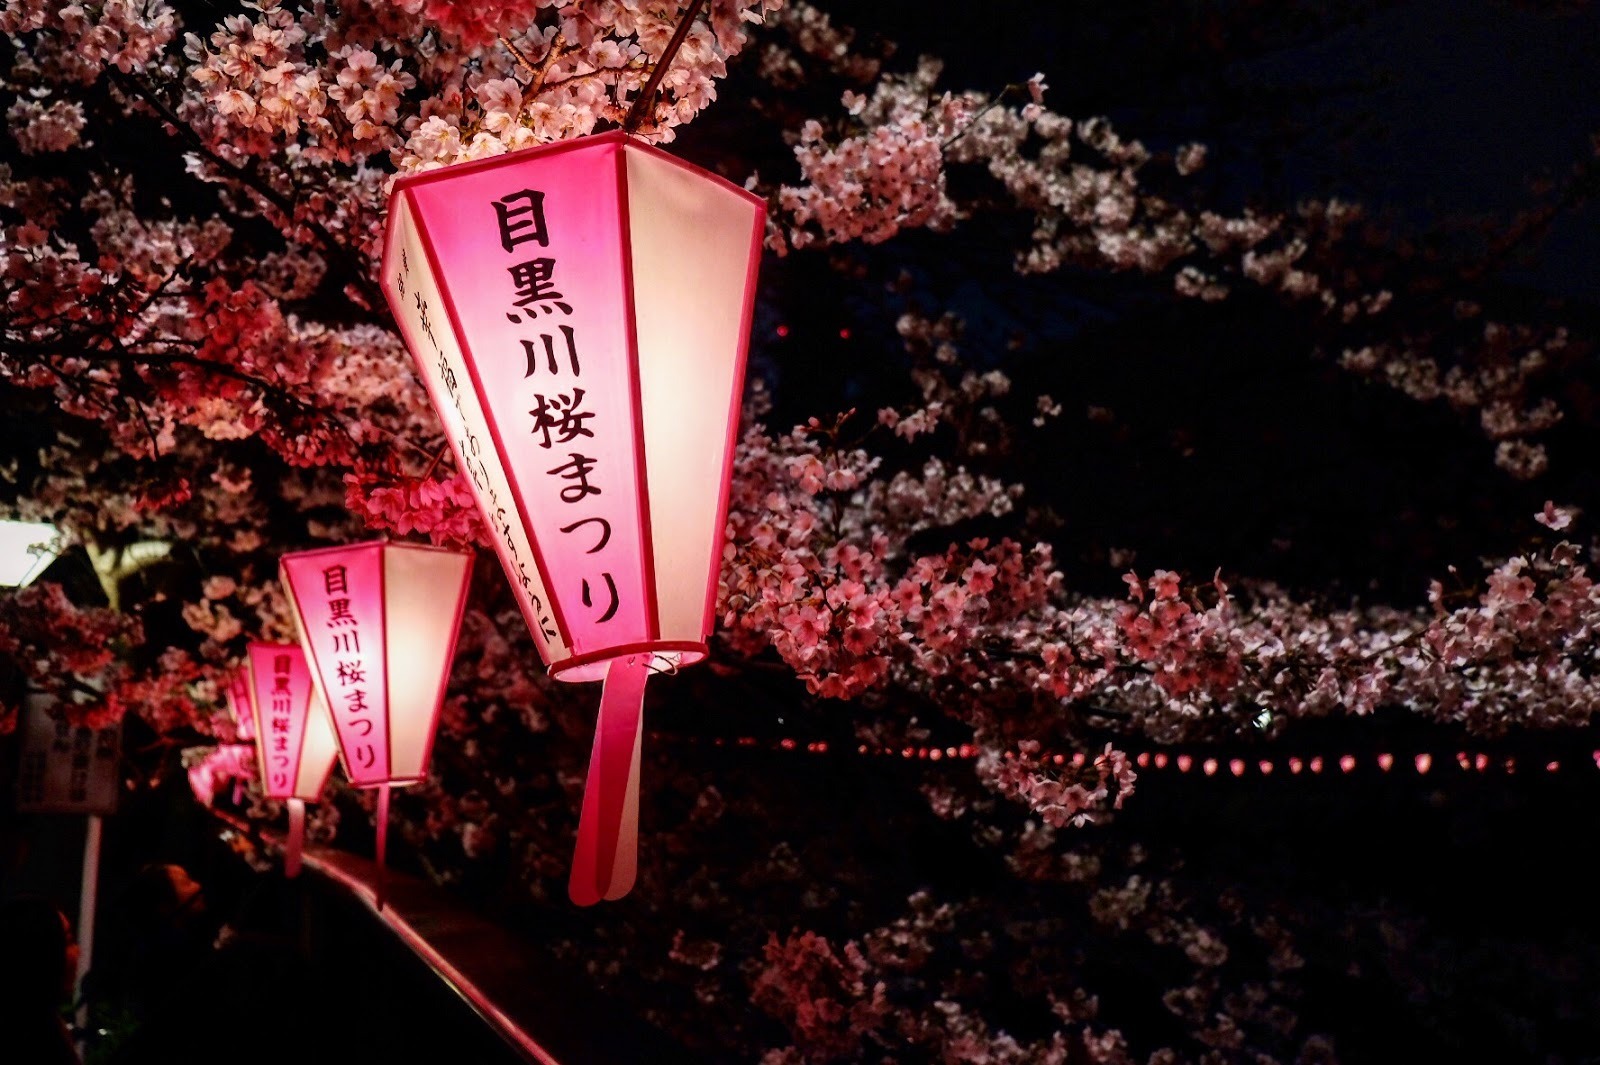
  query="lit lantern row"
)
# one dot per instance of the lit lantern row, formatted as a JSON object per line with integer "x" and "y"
{"x": 378, "y": 625}
{"x": 1183, "y": 763}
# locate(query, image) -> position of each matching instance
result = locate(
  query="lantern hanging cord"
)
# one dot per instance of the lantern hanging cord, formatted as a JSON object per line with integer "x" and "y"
{"x": 647, "y": 95}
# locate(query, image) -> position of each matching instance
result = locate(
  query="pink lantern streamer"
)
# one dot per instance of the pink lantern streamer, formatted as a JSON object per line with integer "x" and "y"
{"x": 378, "y": 622}
{"x": 579, "y": 314}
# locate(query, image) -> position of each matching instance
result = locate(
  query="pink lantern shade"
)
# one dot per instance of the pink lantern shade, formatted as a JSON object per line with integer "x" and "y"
{"x": 236, "y": 698}
{"x": 579, "y": 313}
{"x": 378, "y": 622}
{"x": 294, "y": 742}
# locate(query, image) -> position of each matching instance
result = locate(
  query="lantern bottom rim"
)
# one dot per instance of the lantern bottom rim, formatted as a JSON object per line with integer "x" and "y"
{"x": 669, "y": 654}
{"x": 397, "y": 782}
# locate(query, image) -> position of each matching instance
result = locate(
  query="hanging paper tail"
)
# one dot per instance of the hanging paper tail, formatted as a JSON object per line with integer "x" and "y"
{"x": 297, "y": 838}
{"x": 607, "y": 856}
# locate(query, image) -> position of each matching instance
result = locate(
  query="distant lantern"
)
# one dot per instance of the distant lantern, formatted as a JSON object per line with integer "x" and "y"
{"x": 579, "y": 313}
{"x": 294, "y": 742}
{"x": 378, "y": 622}
{"x": 26, "y": 550}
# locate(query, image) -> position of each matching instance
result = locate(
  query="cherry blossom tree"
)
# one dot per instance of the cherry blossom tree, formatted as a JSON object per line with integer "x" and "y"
{"x": 194, "y": 353}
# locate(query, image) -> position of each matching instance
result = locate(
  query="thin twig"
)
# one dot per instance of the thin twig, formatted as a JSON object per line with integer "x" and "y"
{"x": 646, "y": 98}
{"x": 541, "y": 69}
{"x": 435, "y": 463}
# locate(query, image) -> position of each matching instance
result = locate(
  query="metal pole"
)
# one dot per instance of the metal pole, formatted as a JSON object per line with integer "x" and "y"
{"x": 383, "y": 839}
{"x": 297, "y": 836}
{"x": 86, "y": 906}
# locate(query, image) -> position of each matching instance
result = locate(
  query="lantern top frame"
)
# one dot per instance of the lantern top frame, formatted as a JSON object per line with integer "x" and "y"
{"x": 669, "y": 653}
{"x": 614, "y": 136}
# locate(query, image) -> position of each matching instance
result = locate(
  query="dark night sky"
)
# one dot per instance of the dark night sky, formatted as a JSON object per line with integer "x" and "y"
{"x": 1232, "y": 446}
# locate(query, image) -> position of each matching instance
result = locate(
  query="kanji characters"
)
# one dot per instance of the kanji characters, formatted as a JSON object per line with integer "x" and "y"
{"x": 561, "y": 417}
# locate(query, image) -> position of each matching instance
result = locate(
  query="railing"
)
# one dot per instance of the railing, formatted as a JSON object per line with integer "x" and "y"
{"x": 540, "y": 1011}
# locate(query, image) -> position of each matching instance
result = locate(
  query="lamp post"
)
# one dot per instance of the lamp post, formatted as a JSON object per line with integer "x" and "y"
{"x": 579, "y": 313}
{"x": 294, "y": 742}
{"x": 378, "y": 622}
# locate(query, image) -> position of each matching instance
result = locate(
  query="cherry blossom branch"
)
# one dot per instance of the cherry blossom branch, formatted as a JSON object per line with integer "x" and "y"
{"x": 646, "y": 97}
{"x": 552, "y": 55}
{"x": 359, "y": 272}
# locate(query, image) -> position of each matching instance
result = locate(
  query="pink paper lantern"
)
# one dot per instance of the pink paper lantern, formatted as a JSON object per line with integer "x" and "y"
{"x": 294, "y": 743}
{"x": 378, "y": 622}
{"x": 579, "y": 314}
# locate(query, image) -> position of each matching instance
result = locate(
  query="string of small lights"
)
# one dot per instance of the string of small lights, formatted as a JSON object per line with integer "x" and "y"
{"x": 1203, "y": 765}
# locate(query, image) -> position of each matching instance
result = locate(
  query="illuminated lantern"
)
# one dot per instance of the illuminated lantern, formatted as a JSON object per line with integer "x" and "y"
{"x": 294, "y": 741}
{"x": 579, "y": 314}
{"x": 378, "y": 622}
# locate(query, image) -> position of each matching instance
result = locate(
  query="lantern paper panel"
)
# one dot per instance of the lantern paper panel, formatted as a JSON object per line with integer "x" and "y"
{"x": 378, "y": 622}
{"x": 579, "y": 315}
{"x": 295, "y": 746}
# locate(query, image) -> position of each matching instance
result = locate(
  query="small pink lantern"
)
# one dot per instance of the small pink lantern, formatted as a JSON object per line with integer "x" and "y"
{"x": 294, "y": 741}
{"x": 579, "y": 313}
{"x": 378, "y": 622}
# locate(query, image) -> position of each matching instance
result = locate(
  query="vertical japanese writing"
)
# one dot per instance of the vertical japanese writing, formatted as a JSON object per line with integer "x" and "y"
{"x": 78, "y": 788}
{"x": 350, "y": 668}
{"x": 280, "y": 711}
{"x": 521, "y": 217}
{"x": 559, "y": 421}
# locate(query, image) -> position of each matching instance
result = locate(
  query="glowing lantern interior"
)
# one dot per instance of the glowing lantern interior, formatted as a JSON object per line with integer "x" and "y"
{"x": 378, "y": 622}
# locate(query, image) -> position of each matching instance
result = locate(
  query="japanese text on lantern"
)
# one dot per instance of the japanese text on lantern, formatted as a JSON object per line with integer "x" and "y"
{"x": 350, "y": 664}
{"x": 559, "y": 423}
{"x": 469, "y": 449}
{"x": 278, "y": 723}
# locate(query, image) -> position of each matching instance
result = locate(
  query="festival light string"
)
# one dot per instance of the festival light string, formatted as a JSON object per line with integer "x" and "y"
{"x": 1181, "y": 762}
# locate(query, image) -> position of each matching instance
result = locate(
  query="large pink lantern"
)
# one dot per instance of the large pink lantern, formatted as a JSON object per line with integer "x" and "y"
{"x": 378, "y": 622}
{"x": 579, "y": 313}
{"x": 295, "y": 746}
